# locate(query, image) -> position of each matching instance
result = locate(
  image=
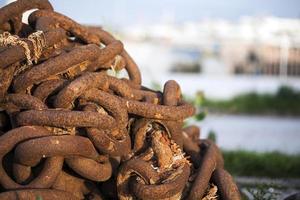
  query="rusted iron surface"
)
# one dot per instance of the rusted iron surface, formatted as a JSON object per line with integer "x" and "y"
{"x": 34, "y": 194}
{"x": 12, "y": 54}
{"x": 12, "y": 13}
{"x": 79, "y": 187}
{"x": 69, "y": 130}
{"x": 227, "y": 188}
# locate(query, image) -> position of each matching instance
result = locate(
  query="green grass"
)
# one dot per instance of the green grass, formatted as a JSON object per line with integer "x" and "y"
{"x": 39, "y": 198}
{"x": 273, "y": 164}
{"x": 286, "y": 101}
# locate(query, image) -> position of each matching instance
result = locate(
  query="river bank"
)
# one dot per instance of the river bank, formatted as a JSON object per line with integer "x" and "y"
{"x": 285, "y": 102}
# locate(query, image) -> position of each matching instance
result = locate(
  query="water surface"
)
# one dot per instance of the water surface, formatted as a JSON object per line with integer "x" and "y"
{"x": 255, "y": 133}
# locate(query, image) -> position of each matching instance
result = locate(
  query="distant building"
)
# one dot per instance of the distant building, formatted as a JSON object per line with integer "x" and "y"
{"x": 253, "y": 45}
{"x": 269, "y": 60}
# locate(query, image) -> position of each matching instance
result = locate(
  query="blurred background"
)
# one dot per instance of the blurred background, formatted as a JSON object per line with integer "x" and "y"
{"x": 238, "y": 61}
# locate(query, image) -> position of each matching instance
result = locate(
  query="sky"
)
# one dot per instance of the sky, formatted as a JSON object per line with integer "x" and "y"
{"x": 130, "y": 12}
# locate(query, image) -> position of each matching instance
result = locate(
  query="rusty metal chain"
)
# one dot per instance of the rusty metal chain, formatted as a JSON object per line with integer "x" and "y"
{"x": 69, "y": 130}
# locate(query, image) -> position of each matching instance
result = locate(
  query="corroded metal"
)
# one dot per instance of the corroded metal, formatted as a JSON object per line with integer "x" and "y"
{"x": 69, "y": 130}
{"x": 33, "y": 194}
{"x": 12, "y": 13}
{"x": 13, "y": 54}
{"x": 226, "y": 185}
{"x": 79, "y": 187}
{"x": 51, "y": 168}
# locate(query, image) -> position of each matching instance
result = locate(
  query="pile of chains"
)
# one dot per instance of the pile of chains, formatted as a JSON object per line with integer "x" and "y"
{"x": 71, "y": 130}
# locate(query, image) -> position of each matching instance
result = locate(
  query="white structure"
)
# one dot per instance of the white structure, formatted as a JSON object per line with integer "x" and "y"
{"x": 221, "y": 44}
